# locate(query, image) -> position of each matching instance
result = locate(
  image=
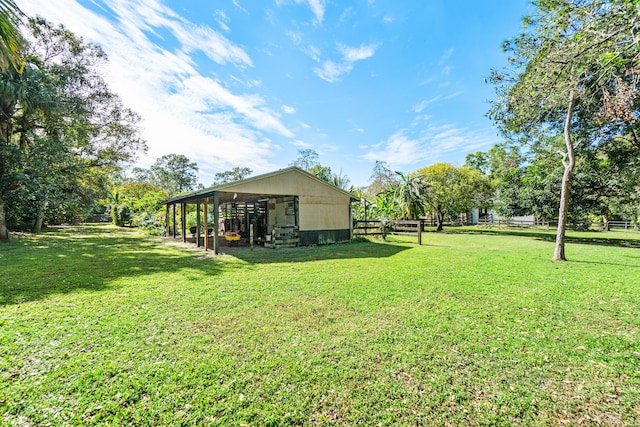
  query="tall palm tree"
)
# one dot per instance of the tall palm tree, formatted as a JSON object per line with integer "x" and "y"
{"x": 340, "y": 180}
{"x": 409, "y": 194}
{"x": 11, "y": 40}
{"x": 11, "y": 62}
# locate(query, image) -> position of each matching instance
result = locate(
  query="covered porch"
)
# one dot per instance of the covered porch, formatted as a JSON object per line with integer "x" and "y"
{"x": 216, "y": 219}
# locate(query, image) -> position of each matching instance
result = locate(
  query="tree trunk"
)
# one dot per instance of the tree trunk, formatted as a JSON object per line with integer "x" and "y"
{"x": 37, "y": 225}
{"x": 440, "y": 218}
{"x": 4, "y": 232}
{"x": 605, "y": 221}
{"x": 568, "y": 161}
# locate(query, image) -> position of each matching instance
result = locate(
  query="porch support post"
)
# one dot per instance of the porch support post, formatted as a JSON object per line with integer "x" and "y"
{"x": 174, "y": 220}
{"x": 206, "y": 226}
{"x": 246, "y": 219}
{"x": 198, "y": 222}
{"x": 166, "y": 222}
{"x": 366, "y": 224}
{"x": 350, "y": 221}
{"x": 216, "y": 222}
{"x": 183, "y": 218}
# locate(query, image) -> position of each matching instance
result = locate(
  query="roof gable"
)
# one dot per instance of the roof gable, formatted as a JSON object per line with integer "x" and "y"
{"x": 288, "y": 181}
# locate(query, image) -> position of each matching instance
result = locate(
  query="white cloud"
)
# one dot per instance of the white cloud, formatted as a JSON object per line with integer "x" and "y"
{"x": 222, "y": 19}
{"x": 353, "y": 54}
{"x": 183, "y": 111}
{"x": 298, "y": 39}
{"x": 288, "y": 109}
{"x": 398, "y": 149}
{"x": 301, "y": 144}
{"x": 346, "y": 14}
{"x": 444, "y": 61}
{"x": 453, "y": 95}
{"x": 328, "y": 148}
{"x": 237, "y": 4}
{"x": 420, "y": 106}
{"x": 332, "y": 71}
{"x": 446, "y": 56}
{"x": 317, "y": 8}
{"x": 295, "y": 36}
{"x": 429, "y": 145}
{"x": 217, "y": 48}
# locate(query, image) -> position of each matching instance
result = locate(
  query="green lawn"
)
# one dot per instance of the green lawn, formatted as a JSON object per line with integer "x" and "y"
{"x": 105, "y": 327}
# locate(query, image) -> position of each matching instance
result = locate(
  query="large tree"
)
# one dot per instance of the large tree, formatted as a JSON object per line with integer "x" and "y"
{"x": 574, "y": 72}
{"x": 451, "y": 190}
{"x": 306, "y": 159}
{"x": 232, "y": 175}
{"x": 61, "y": 129}
{"x": 381, "y": 178}
{"x": 505, "y": 166}
{"x": 174, "y": 173}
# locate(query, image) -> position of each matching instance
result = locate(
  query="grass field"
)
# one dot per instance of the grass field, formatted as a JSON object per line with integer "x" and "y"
{"x": 106, "y": 327}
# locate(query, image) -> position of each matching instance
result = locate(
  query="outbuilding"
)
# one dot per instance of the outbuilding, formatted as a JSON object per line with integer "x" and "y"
{"x": 288, "y": 207}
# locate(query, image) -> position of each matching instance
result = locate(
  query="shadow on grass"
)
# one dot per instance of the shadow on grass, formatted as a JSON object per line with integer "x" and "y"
{"x": 550, "y": 236}
{"x": 352, "y": 250}
{"x": 63, "y": 260}
{"x": 90, "y": 258}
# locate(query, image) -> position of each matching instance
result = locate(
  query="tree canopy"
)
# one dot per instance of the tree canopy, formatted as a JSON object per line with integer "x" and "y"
{"x": 574, "y": 71}
{"x": 174, "y": 173}
{"x": 450, "y": 190}
{"x": 232, "y": 175}
{"x": 62, "y": 131}
{"x": 308, "y": 160}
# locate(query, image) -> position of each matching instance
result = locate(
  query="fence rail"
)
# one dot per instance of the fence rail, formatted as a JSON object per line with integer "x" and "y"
{"x": 584, "y": 225}
{"x": 512, "y": 223}
{"x": 376, "y": 227}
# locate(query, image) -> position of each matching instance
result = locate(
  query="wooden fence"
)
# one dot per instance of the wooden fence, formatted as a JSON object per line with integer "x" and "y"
{"x": 509, "y": 223}
{"x": 585, "y": 225}
{"x": 376, "y": 227}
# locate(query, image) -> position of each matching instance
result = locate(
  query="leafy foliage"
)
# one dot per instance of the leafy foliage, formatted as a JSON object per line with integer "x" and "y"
{"x": 450, "y": 190}
{"x": 574, "y": 71}
{"x": 62, "y": 132}
{"x": 308, "y": 161}
{"x": 11, "y": 41}
{"x": 139, "y": 203}
{"x": 410, "y": 196}
{"x": 381, "y": 178}
{"x": 235, "y": 174}
{"x": 174, "y": 173}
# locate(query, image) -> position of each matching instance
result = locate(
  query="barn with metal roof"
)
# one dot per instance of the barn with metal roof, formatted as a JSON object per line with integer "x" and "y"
{"x": 288, "y": 207}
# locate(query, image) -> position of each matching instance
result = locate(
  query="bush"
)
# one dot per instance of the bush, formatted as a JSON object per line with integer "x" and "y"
{"x": 120, "y": 214}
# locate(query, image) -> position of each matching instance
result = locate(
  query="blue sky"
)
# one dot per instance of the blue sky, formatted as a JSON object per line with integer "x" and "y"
{"x": 250, "y": 82}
